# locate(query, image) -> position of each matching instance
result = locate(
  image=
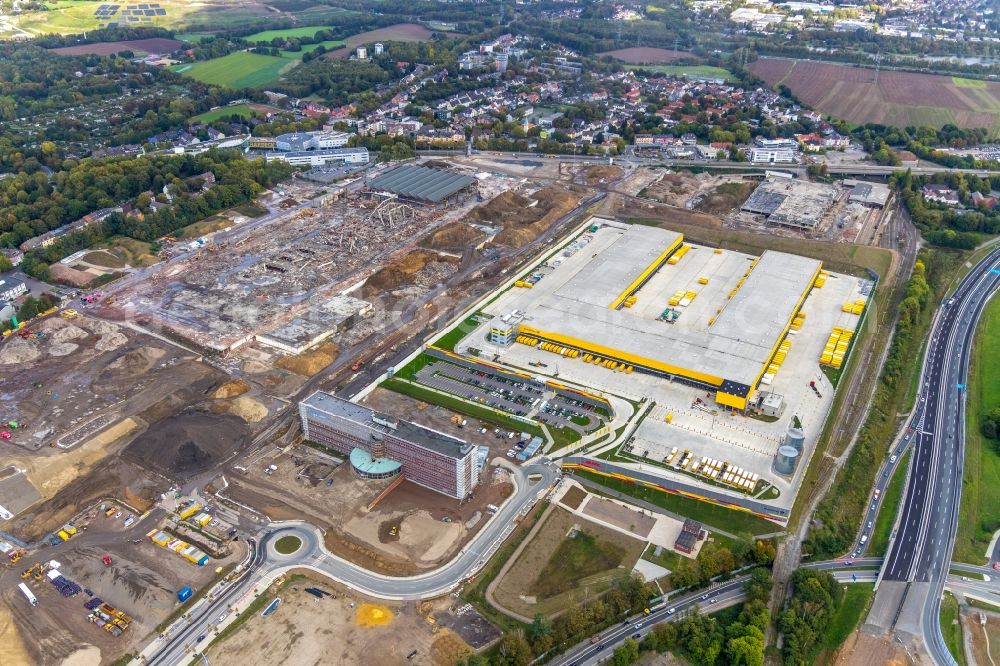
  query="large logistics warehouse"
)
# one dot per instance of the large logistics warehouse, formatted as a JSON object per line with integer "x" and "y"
{"x": 727, "y": 349}
{"x": 382, "y": 446}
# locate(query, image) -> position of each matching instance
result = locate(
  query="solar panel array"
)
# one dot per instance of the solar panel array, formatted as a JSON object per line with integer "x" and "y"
{"x": 137, "y": 13}
{"x": 422, "y": 183}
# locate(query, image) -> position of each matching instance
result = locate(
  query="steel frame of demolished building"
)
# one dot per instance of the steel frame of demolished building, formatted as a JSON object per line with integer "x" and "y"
{"x": 198, "y": 310}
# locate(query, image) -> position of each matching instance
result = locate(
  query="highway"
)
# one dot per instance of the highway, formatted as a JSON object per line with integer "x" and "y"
{"x": 212, "y": 613}
{"x": 915, "y": 571}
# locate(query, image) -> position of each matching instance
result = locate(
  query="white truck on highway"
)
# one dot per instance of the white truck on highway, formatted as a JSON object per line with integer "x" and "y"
{"x": 32, "y": 599}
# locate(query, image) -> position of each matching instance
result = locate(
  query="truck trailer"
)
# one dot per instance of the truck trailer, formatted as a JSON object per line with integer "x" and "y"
{"x": 32, "y": 599}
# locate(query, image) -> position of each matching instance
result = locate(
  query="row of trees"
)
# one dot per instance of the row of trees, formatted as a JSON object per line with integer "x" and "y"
{"x": 715, "y": 560}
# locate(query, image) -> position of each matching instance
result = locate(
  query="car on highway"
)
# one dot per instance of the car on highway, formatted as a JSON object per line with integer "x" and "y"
{"x": 713, "y": 600}
{"x": 892, "y": 459}
{"x": 672, "y": 611}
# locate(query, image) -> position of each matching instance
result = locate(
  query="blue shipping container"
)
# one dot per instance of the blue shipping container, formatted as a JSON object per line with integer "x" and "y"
{"x": 184, "y": 594}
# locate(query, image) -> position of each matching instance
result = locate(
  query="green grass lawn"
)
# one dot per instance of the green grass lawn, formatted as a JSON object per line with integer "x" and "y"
{"x": 951, "y": 627}
{"x": 308, "y": 48}
{"x": 712, "y": 515}
{"x": 236, "y": 70}
{"x": 241, "y": 110}
{"x": 268, "y": 35}
{"x": 287, "y": 545}
{"x": 967, "y": 83}
{"x": 890, "y": 507}
{"x": 452, "y": 337}
{"x": 853, "y": 604}
{"x": 574, "y": 560}
{"x": 690, "y": 71}
{"x": 980, "y": 511}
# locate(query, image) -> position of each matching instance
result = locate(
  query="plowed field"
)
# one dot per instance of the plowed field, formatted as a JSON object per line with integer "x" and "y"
{"x": 896, "y": 98}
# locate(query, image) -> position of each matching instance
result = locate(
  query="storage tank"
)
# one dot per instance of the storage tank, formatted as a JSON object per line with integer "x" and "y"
{"x": 786, "y": 460}
{"x": 795, "y": 438}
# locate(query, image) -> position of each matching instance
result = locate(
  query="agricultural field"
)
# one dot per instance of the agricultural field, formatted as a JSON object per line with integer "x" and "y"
{"x": 236, "y": 70}
{"x": 287, "y": 33}
{"x": 401, "y": 32}
{"x": 896, "y": 98}
{"x": 647, "y": 55}
{"x": 687, "y": 71}
{"x": 136, "y": 46}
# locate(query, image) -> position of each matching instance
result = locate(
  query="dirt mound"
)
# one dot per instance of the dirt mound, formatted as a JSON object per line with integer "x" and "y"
{"x": 18, "y": 350}
{"x": 67, "y": 333}
{"x": 188, "y": 444}
{"x": 523, "y": 225}
{"x": 62, "y": 348}
{"x": 603, "y": 174}
{"x": 231, "y": 389}
{"x": 453, "y": 237}
{"x": 138, "y": 360}
{"x": 103, "y": 327}
{"x": 111, "y": 342}
{"x": 309, "y": 363}
{"x": 503, "y": 209}
{"x": 725, "y": 198}
{"x": 402, "y": 271}
{"x": 63, "y": 273}
{"x": 248, "y": 409}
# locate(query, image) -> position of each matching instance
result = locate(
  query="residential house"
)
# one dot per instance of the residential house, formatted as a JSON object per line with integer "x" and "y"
{"x": 940, "y": 194}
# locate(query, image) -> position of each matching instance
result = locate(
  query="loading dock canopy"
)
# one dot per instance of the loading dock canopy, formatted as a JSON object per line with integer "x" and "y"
{"x": 421, "y": 183}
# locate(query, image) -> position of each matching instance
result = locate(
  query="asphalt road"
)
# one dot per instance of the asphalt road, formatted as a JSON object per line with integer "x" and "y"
{"x": 921, "y": 548}
{"x": 178, "y": 647}
{"x": 638, "y": 626}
